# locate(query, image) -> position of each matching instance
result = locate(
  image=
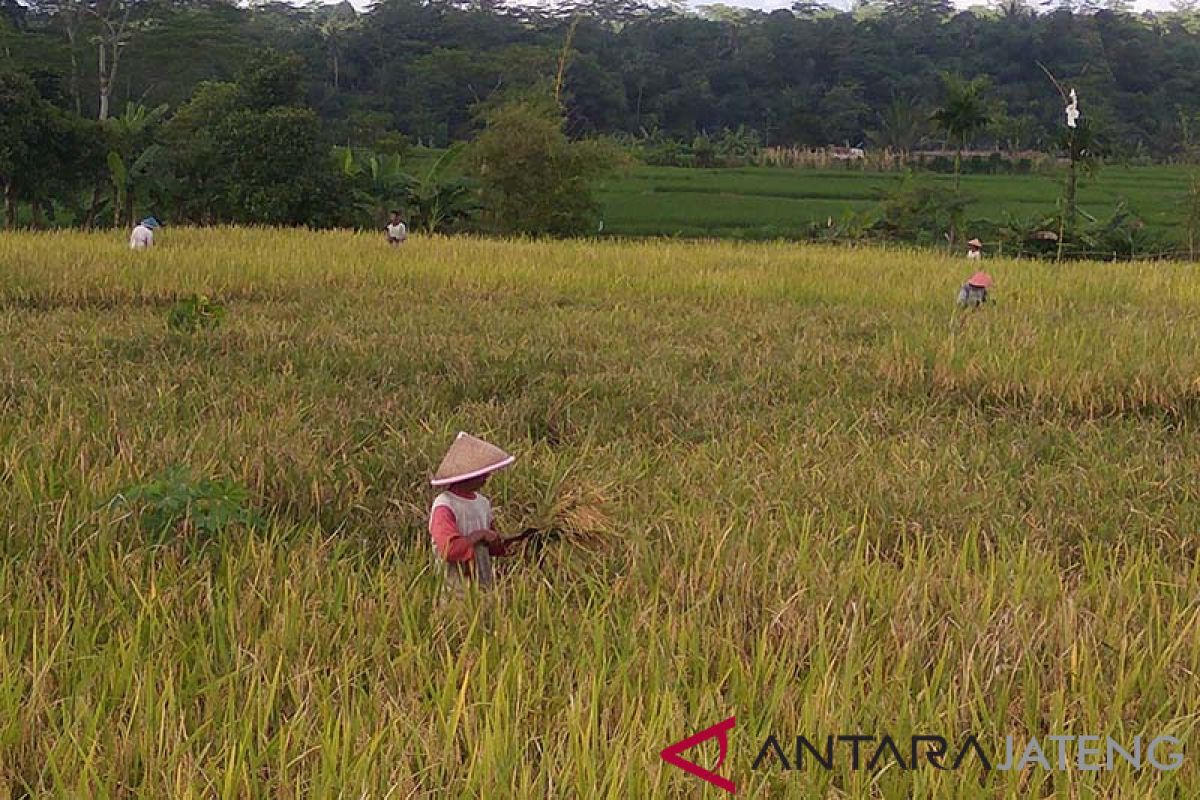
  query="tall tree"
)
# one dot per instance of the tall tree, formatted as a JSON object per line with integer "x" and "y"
{"x": 21, "y": 119}
{"x": 43, "y": 150}
{"x": 251, "y": 152}
{"x": 68, "y": 16}
{"x": 115, "y": 25}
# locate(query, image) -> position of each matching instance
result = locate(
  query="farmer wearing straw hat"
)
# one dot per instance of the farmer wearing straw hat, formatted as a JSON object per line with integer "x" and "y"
{"x": 974, "y": 292}
{"x": 460, "y": 521}
{"x": 143, "y": 234}
{"x": 974, "y": 250}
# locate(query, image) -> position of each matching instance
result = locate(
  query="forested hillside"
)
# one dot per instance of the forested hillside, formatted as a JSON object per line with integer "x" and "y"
{"x": 809, "y": 75}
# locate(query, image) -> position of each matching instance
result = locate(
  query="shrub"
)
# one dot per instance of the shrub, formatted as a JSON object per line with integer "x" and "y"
{"x": 194, "y": 313}
{"x": 919, "y": 212}
{"x": 667, "y": 153}
{"x": 533, "y": 179}
{"x": 393, "y": 143}
{"x": 178, "y": 501}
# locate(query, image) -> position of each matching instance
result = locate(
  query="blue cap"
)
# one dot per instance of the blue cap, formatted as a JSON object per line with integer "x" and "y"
{"x": 151, "y": 222}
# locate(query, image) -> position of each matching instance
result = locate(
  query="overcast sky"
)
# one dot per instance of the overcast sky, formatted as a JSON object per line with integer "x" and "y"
{"x": 1140, "y": 5}
{"x": 768, "y": 5}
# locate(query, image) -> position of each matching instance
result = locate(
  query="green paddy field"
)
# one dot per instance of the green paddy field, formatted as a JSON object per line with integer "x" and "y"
{"x": 766, "y": 203}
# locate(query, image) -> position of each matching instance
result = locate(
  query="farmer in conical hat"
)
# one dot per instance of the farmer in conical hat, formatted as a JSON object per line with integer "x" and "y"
{"x": 974, "y": 250}
{"x": 143, "y": 234}
{"x": 974, "y": 292}
{"x": 460, "y": 521}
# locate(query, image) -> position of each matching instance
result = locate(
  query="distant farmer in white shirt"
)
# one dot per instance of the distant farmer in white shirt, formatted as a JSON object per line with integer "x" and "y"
{"x": 974, "y": 250}
{"x": 143, "y": 234}
{"x": 397, "y": 233}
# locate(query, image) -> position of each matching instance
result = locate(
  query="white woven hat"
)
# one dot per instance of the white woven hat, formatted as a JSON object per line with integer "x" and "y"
{"x": 468, "y": 458}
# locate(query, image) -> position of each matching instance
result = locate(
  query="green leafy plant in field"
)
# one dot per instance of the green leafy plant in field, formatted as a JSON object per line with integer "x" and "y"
{"x": 847, "y": 228}
{"x": 132, "y": 161}
{"x": 439, "y": 200}
{"x": 729, "y": 148}
{"x": 659, "y": 150}
{"x": 1121, "y": 235}
{"x": 177, "y": 500}
{"x": 194, "y": 313}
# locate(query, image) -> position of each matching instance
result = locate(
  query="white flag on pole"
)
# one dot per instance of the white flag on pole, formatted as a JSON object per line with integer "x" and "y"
{"x": 1072, "y": 110}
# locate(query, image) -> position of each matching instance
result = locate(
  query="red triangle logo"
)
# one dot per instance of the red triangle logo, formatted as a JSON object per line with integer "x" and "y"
{"x": 720, "y": 731}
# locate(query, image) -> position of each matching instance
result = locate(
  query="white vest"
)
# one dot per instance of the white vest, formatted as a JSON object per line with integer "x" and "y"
{"x": 470, "y": 515}
{"x": 141, "y": 238}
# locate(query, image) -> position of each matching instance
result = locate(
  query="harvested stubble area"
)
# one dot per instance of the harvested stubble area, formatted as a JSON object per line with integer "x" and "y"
{"x": 792, "y": 485}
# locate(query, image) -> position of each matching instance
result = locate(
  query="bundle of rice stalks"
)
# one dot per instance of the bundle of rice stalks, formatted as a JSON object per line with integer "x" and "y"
{"x": 572, "y": 511}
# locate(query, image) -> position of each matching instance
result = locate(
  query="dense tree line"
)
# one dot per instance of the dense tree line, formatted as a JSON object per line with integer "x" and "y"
{"x": 809, "y": 75}
{"x": 252, "y": 151}
{"x": 207, "y": 111}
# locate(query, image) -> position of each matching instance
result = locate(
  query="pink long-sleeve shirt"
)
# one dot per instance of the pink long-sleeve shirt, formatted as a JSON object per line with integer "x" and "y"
{"x": 454, "y": 516}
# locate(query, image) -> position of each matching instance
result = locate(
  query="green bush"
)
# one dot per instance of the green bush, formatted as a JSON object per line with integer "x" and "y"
{"x": 730, "y": 148}
{"x": 533, "y": 179}
{"x": 194, "y": 313}
{"x": 659, "y": 152}
{"x": 178, "y": 501}
{"x": 919, "y": 212}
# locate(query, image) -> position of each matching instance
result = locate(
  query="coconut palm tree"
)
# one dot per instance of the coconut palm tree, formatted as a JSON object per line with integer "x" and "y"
{"x": 962, "y": 114}
{"x": 902, "y": 125}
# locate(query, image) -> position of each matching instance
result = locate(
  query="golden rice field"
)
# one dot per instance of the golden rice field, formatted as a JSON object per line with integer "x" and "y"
{"x": 794, "y": 486}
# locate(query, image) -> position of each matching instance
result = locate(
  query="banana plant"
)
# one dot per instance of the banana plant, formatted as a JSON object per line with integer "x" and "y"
{"x": 137, "y": 118}
{"x": 434, "y": 200}
{"x": 129, "y": 162}
{"x": 129, "y": 181}
{"x": 438, "y": 199}
{"x": 378, "y": 181}
{"x": 1028, "y": 235}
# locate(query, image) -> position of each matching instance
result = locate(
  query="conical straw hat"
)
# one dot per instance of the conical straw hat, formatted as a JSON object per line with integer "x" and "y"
{"x": 469, "y": 458}
{"x": 980, "y": 279}
{"x": 975, "y": 243}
